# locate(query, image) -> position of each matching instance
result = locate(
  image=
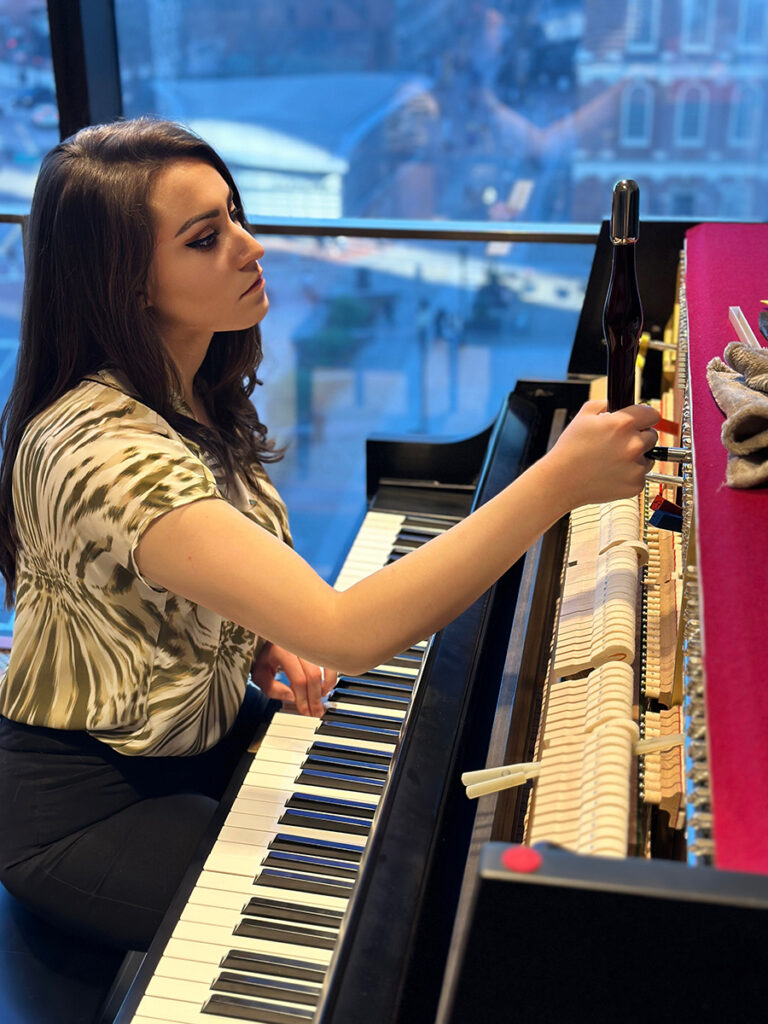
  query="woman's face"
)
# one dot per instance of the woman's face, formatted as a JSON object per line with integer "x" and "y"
{"x": 205, "y": 275}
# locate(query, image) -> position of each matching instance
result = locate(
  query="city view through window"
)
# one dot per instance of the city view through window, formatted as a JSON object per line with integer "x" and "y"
{"x": 520, "y": 111}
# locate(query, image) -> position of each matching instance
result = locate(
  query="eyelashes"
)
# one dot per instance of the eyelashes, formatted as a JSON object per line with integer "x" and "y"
{"x": 209, "y": 241}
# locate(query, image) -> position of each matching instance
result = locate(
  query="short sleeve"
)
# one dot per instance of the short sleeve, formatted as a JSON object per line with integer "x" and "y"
{"x": 94, "y": 483}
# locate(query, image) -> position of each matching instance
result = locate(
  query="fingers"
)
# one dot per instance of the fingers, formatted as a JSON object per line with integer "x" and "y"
{"x": 643, "y": 416}
{"x": 330, "y": 677}
{"x": 593, "y": 407}
{"x": 650, "y": 438}
{"x": 308, "y": 683}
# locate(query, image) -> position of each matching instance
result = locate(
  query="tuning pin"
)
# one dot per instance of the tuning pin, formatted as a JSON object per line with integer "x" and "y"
{"x": 665, "y": 454}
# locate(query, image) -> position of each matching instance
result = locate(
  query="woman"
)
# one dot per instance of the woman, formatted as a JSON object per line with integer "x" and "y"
{"x": 146, "y": 548}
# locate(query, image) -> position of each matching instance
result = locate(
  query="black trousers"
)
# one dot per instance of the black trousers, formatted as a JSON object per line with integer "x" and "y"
{"x": 98, "y": 842}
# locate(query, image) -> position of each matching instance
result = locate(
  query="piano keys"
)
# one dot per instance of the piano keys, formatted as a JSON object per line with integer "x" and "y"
{"x": 320, "y": 839}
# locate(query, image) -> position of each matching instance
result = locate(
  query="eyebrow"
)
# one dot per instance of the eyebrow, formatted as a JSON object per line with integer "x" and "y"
{"x": 208, "y": 215}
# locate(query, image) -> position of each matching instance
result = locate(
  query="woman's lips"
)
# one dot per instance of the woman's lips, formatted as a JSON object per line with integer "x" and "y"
{"x": 254, "y": 287}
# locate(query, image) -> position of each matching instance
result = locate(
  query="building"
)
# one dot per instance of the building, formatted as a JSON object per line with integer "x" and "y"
{"x": 680, "y": 108}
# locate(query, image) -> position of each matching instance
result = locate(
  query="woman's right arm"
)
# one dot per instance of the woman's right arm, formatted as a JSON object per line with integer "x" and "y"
{"x": 211, "y": 554}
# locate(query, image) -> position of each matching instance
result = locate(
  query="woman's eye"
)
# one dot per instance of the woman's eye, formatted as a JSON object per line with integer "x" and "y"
{"x": 234, "y": 214}
{"x": 206, "y": 242}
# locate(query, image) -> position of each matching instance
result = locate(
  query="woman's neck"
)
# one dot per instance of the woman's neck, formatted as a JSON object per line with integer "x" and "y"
{"x": 188, "y": 357}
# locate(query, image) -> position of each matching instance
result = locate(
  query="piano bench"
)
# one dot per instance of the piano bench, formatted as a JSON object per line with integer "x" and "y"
{"x": 48, "y": 976}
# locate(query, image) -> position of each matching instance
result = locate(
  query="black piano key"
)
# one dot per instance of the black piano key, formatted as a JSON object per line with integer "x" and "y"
{"x": 304, "y": 883}
{"x": 259, "y": 906}
{"x": 337, "y": 780}
{"x": 333, "y": 726}
{"x": 437, "y": 523}
{"x": 326, "y": 805}
{"x": 411, "y": 658}
{"x": 275, "y": 931}
{"x": 254, "y": 1009}
{"x": 308, "y": 844}
{"x": 326, "y": 823}
{"x": 243, "y": 985}
{"x": 281, "y": 966}
{"x": 402, "y": 686}
{"x": 380, "y": 699}
{"x": 404, "y": 544}
{"x": 306, "y": 862}
{"x": 346, "y": 765}
{"x": 414, "y": 537}
{"x": 358, "y": 753}
{"x": 398, "y": 672}
{"x": 367, "y": 718}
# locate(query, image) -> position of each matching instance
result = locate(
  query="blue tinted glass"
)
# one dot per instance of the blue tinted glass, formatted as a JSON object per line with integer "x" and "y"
{"x": 29, "y": 117}
{"x": 387, "y": 337}
{"x": 439, "y": 109}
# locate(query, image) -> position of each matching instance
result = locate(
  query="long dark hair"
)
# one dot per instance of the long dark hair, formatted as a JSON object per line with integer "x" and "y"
{"x": 89, "y": 245}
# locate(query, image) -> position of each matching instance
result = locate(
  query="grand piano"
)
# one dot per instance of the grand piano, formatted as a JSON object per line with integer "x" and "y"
{"x": 348, "y": 878}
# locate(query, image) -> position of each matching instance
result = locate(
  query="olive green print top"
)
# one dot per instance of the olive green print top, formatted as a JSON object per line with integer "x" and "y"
{"x": 96, "y": 646}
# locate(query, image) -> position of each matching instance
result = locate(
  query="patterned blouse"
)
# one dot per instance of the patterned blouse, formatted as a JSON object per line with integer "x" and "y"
{"x": 96, "y": 646}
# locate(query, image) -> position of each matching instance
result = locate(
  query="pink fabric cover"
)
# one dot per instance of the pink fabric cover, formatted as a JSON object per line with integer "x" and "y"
{"x": 727, "y": 265}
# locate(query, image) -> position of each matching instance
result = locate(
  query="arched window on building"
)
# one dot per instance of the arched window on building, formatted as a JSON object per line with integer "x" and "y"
{"x": 698, "y": 26}
{"x": 744, "y": 115}
{"x": 636, "y": 114}
{"x": 691, "y": 110}
{"x": 642, "y": 26}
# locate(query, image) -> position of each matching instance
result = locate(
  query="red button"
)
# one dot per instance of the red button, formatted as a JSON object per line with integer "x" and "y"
{"x": 522, "y": 859}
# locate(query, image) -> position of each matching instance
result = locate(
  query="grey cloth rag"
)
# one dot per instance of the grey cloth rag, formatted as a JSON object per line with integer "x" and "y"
{"x": 745, "y": 404}
{"x": 751, "y": 363}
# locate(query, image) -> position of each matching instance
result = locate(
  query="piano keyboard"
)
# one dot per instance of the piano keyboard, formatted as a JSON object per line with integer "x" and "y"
{"x": 257, "y": 935}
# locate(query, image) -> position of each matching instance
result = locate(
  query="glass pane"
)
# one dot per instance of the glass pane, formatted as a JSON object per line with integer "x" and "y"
{"x": 373, "y": 336}
{"x": 11, "y": 285}
{"x": 29, "y": 119}
{"x": 430, "y": 109}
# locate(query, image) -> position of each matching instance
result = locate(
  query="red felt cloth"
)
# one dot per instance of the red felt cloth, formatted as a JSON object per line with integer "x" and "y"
{"x": 727, "y": 265}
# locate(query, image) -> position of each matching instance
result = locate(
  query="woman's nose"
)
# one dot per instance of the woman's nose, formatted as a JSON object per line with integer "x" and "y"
{"x": 252, "y": 250}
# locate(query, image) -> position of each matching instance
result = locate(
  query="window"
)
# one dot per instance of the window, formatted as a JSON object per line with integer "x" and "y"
{"x": 415, "y": 109}
{"x": 744, "y": 117}
{"x": 698, "y": 25}
{"x": 752, "y": 31}
{"x": 691, "y": 116}
{"x": 642, "y": 25}
{"x": 637, "y": 114}
{"x": 28, "y": 112}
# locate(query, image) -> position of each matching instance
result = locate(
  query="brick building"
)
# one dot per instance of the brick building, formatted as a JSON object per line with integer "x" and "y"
{"x": 675, "y": 95}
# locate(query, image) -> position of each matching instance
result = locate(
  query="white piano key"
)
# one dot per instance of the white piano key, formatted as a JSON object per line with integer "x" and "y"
{"x": 256, "y": 783}
{"x": 224, "y": 939}
{"x": 364, "y": 709}
{"x": 268, "y": 802}
{"x": 234, "y": 859}
{"x": 195, "y": 913}
{"x": 175, "y": 1011}
{"x": 244, "y": 825}
{"x": 235, "y": 900}
{"x": 284, "y": 748}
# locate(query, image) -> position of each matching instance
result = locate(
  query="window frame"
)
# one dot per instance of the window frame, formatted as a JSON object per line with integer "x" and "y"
{"x": 634, "y": 9}
{"x": 690, "y": 9}
{"x": 632, "y": 88}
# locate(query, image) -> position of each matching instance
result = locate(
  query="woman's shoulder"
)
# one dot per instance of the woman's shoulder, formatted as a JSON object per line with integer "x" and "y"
{"x": 99, "y": 407}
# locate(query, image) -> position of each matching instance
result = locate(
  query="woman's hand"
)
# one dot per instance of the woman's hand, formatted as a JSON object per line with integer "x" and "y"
{"x": 600, "y": 456}
{"x": 308, "y": 683}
